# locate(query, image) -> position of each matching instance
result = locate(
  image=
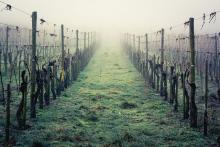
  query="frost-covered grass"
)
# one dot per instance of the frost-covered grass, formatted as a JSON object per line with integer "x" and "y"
{"x": 110, "y": 105}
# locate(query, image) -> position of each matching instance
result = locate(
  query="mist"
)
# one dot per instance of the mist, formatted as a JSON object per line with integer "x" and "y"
{"x": 111, "y": 17}
{"x": 109, "y": 73}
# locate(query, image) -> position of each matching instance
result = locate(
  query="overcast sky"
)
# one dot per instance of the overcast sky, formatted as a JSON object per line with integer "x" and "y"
{"x": 112, "y": 15}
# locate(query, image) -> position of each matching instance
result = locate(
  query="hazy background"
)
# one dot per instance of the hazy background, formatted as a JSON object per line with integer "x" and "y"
{"x": 112, "y": 16}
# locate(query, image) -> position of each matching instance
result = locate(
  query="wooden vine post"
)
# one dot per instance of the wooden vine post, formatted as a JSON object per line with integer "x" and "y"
{"x": 133, "y": 50}
{"x": 85, "y": 55}
{"x": 193, "y": 108}
{"x": 84, "y": 40}
{"x": 206, "y": 100}
{"x": 146, "y": 60}
{"x": 139, "y": 43}
{"x": 63, "y": 58}
{"x": 77, "y": 51}
{"x": 153, "y": 73}
{"x": 1, "y": 82}
{"x": 1, "y": 48}
{"x": 130, "y": 48}
{"x": 88, "y": 44}
{"x": 216, "y": 60}
{"x": 77, "y": 41}
{"x": 33, "y": 65}
{"x": 6, "y": 50}
{"x": 7, "y": 124}
{"x": 162, "y": 48}
{"x": 139, "y": 54}
{"x": 162, "y": 61}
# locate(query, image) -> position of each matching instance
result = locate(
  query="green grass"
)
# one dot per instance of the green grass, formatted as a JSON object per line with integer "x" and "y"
{"x": 95, "y": 111}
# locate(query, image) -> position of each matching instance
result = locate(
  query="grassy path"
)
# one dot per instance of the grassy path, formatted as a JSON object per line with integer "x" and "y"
{"x": 109, "y": 105}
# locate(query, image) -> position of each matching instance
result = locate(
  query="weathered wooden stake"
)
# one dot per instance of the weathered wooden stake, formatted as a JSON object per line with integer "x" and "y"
{"x": 7, "y": 124}
{"x": 1, "y": 95}
{"x": 146, "y": 60}
{"x": 162, "y": 48}
{"x": 62, "y": 46}
{"x": 77, "y": 51}
{"x": 133, "y": 50}
{"x": 6, "y": 50}
{"x": 139, "y": 42}
{"x": 62, "y": 77}
{"x": 84, "y": 40}
{"x": 162, "y": 61}
{"x": 1, "y": 79}
{"x": 33, "y": 65}
{"x": 77, "y": 41}
{"x": 206, "y": 100}
{"x": 153, "y": 71}
{"x": 1, "y": 50}
{"x": 216, "y": 59}
{"x": 193, "y": 108}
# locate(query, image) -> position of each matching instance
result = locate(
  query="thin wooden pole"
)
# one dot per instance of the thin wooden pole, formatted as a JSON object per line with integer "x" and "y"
{"x": 134, "y": 50}
{"x": 193, "y": 108}
{"x": 7, "y": 125}
{"x": 206, "y": 100}
{"x": 185, "y": 114}
{"x": 1, "y": 81}
{"x": 33, "y": 65}
{"x": 84, "y": 40}
{"x": 216, "y": 58}
{"x": 6, "y": 50}
{"x": 63, "y": 59}
{"x": 139, "y": 43}
{"x": 1, "y": 48}
{"x": 77, "y": 52}
{"x": 62, "y": 46}
{"x": 139, "y": 54}
{"x": 153, "y": 72}
{"x": 162, "y": 62}
{"x": 146, "y": 60}
{"x": 77, "y": 41}
{"x": 162, "y": 47}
